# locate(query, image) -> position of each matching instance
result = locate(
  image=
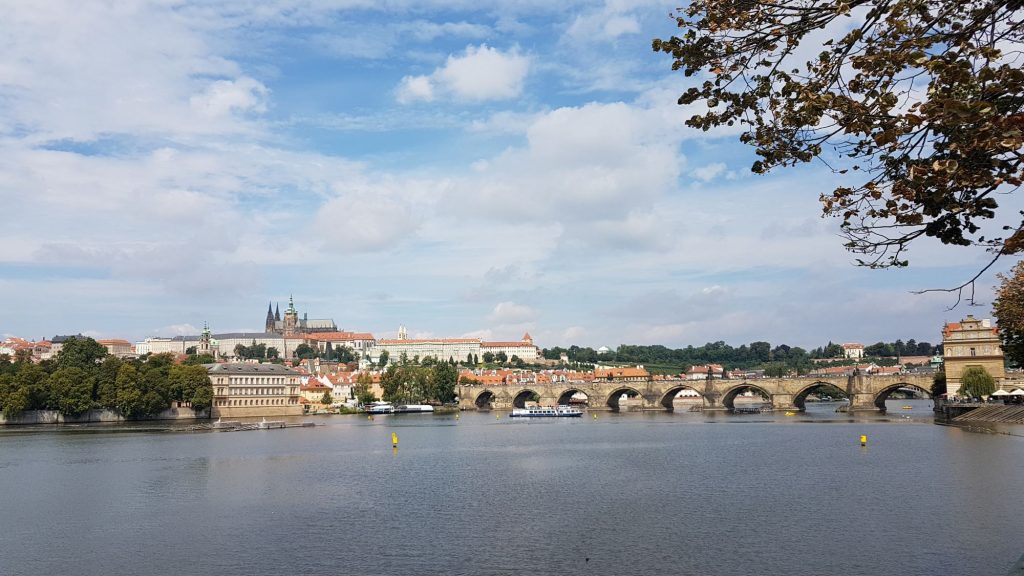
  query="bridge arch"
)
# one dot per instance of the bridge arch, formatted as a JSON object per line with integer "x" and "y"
{"x": 801, "y": 397}
{"x": 729, "y": 396}
{"x": 668, "y": 398}
{"x": 882, "y": 395}
{"x": 613, "y": 398}
{"x": 524, "y": 396}
{"x": 565, "y": 397}
{"x": 485, "y": 400}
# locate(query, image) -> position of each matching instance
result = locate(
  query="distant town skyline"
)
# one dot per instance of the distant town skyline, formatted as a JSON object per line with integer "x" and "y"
{"x": 465, "y": 170}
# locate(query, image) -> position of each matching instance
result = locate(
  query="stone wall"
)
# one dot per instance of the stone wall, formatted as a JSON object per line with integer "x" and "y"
{"x": 98, "y": 416}
{"x": 256, "y": 411}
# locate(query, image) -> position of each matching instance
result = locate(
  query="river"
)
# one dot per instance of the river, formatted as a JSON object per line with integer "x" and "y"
{"x": 623, "y": 494}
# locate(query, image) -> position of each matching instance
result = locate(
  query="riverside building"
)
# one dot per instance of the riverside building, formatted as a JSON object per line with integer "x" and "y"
{"x": 248, "y": 390}
{"x": 969, "y": 343}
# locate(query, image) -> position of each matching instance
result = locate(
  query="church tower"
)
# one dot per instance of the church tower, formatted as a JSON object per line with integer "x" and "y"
{"x": 270, "y": 320}
{"x": 205, "y": 342}
{"x": 291, "y": 319}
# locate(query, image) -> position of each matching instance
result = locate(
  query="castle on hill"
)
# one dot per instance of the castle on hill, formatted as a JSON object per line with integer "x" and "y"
{"x": 291, "y": 325}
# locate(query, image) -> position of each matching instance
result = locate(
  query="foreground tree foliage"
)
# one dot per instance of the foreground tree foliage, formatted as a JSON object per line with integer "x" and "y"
{"x": 1009, "y": 312}
{"x": 83, "y": 377}
{"x": 919, "y": 101}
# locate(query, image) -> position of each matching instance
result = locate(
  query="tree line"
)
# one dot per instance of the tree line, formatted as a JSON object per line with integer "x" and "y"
{"x": 83, "y": 376}
{"x": 746, "y": 356}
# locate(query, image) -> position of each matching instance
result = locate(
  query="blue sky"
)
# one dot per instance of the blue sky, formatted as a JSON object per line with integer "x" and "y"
{"x": 462, "y": 168}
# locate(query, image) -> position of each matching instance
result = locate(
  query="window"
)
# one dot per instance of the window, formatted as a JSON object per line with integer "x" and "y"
{"x": 972, "y": 352}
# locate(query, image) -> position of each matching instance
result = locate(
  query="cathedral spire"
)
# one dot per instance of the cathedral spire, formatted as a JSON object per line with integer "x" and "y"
{"x": 277, "y": 312}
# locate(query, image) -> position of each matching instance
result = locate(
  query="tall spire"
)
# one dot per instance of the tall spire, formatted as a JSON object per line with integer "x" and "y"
{"x": 277, "y": 312}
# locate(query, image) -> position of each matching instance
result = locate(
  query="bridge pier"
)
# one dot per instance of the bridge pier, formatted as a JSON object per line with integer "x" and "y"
{"x": 782, "y": 402}
{"x": 862, "y": 396}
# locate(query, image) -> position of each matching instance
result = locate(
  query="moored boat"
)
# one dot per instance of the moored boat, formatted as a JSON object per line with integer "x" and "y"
{"x": 379, "y": 408}
{"x": 547, "y": 412}
{"x": 413, "y": 408}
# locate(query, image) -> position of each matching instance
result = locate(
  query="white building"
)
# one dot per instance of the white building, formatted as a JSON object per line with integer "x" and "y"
{"x": 853, "y": 350}
{"x": 458, "y": 349}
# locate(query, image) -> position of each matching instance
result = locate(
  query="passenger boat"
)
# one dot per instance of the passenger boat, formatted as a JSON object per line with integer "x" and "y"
{"x": 546, "y": 412}
{"x": 413, "y": 408}
{"x": 379, "y": 408}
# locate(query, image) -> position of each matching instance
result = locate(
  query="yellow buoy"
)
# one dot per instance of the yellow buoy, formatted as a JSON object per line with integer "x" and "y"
{"x": 863, "y": 440}
{"x": 394, "y": 440}
{"x": 595, "y": 416}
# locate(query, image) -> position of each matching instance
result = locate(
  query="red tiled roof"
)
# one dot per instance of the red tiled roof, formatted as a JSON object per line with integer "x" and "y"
{"x": 431, "y": 341}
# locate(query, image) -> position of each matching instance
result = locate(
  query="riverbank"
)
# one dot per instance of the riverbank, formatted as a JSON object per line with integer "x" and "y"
{"x": 42, "y": 417}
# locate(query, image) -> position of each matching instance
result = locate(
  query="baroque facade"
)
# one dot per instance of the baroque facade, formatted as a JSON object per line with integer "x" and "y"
{"x": 969, "y": 343}
{"x": 246, "y": 390}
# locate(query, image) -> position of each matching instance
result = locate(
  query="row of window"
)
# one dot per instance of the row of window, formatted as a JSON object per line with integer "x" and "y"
{"x": 221, "y": 391}
{"x": 257, "y": 402}
{"x": 236, "y": 380}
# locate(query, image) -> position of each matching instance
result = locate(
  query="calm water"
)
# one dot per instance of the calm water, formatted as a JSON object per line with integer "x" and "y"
{"x": 635, "y": 493}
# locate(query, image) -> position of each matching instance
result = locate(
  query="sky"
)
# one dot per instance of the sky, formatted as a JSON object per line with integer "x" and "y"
{"x": 463, "y": 168}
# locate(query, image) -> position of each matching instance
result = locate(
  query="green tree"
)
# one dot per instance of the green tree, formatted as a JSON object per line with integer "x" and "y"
{"x": 305, "y": 351}
{"x": 976, "y": 382}
{"x": 80, "y": 352}
{"x": 382, "y": 361}
{"x": 72, "y": 388}
{"x": 488, "y": 357}
{"x": 344, "y": 354}
{"x": 501, "y": 357}
{"x": 199, "y": 359}
{"x": 15, "y": 402}
{"x": 776, "y": 370}
{"x": 202, "y": 398}
{"x": 33, "y": 380}
{"x": 938, "y": 384}
{"x": 273, "y": 353}
{"x": 106, "y": 382}
{"x": 326, "y": 399}
{"x": 1009, "y": 312}
{"x": 443, "y": 378}
{"x": 129, "y": 401}
{"x": 919, "y": 103}
{"x": 184, "y": 381}
{"x": 363, "y": 387}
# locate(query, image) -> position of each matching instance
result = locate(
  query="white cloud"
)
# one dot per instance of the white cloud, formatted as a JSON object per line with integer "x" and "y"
{"x": 355, "y": 224}
{"x": 415, "y": 88}
{"x": 176, "y": 330}
{"x": 480, "y": 74}
{"x": 229, "y": 96}
{"x": 512, "y": 313}
{"x": 709, "y": 172}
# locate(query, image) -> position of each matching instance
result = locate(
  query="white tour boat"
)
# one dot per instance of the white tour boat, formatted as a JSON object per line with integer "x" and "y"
{"x": 546, "y": 412}
{"x": 413, "y": 408}
{"x": 379, "y": 408}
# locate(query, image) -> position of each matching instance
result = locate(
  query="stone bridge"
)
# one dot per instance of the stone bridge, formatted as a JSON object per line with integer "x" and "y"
{"x": 864, "y": 392}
